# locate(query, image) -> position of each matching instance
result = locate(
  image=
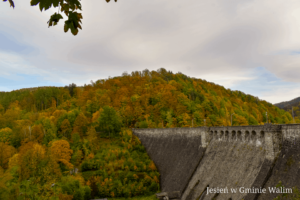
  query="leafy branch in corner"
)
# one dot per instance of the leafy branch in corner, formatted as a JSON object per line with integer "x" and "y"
{"x": 11, "y": 3}
{"x": 69, "y": 7}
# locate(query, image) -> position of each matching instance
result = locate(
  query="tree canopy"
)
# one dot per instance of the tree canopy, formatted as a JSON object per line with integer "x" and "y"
{"x": 69, "y": 7}
{"x": 48, "y": 134}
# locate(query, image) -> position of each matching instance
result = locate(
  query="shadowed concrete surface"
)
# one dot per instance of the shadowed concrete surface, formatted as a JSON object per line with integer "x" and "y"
{"x": 242, "y": 157}
{"x": 287, "y": 165}
{"x": 231, "y": 165}
{"x": 176, "y": 152}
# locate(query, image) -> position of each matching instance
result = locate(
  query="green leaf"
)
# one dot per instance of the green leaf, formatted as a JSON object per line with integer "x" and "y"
{"x": 55, "y": 3}
{"x": 34, "y": 2}
{"x": 74, "y": 4}
{"x": 66, "y": 27}
{"x": 54, "y": 19}
{"x": 45, "y": 4}
{"x": 73, "y": 22}
{"x": 65, "y": 7}
{"x": 11, "y": 3}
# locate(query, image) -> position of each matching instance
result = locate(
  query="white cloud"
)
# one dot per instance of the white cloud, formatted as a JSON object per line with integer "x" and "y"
{"x": 282, "y": 94}
{"x": 220, "y": 41}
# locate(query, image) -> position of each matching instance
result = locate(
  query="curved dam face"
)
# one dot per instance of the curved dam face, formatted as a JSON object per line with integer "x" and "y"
{"x": 224, "y": 162}
{"x": 287, "y": 166}
{"x": 228, "y": 163}
{"x": 176, "y": 152}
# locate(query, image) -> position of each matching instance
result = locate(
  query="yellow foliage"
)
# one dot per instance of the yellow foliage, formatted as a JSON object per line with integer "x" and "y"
{"x": 58, "y": 113}
{"x": 92, "y": 138}
{"x": 39, "y": 150}
{"x": 66, "y": 163}
{"x": 61, "y": 152}
{"x": 65, "y": 197}
{"x": 66, "y": 128}
{"x": 78, "y": 158}
{"x": 242, "y": 121}
{"x": 52, "y": 119}
{"x": 156, "y": 179}
{"x": 6, "y": 151}
{"x": 4, "y": 178}
{"x": 90, "y": 156}
{"x": 79, "y": 178}
{"x": 31, "y": 154}
{"x": 37, "y": 133}
{"x": 80, "y": 124}
{"x": 13, "y": 161}
{"x": 152, "y": 166}
{"x": 5, "y": 134}
{"x": 96, "y": 115}
{"x": 185, "y": 120}
{"x": 53, "y": 103}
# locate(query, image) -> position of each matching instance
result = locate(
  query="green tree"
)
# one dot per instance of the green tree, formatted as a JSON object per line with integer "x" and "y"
{"x": 71, "y": 186}
{"x": 66, "y": 129}
{"x": 109, "y": 121}
{"x": 49, "y": 130}
{"x": 80, "y": 125}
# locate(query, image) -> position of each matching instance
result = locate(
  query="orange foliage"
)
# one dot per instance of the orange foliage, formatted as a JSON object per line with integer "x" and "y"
{"x": 6, "y": 152}
{"x": 61, "y": 152}
{"x": 65, "y": 197}
{"x": 152, "y": 166}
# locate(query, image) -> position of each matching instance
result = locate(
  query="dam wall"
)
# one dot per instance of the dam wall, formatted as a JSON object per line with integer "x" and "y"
{"x": 176, "y": 153}
{"x": 192, "y": 159}
{"x": 287, "y": 166}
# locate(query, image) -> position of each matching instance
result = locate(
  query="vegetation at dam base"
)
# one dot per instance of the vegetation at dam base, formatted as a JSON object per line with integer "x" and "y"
{"x": 295, "y": 194}
{"x": 116, "y": 167}
{"x": 47, "y": 132}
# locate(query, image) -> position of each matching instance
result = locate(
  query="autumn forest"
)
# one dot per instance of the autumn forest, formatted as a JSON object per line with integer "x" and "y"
{"x": 76, "y": 142}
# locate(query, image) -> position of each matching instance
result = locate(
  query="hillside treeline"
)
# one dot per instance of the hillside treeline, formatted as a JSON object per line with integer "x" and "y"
{"x": 293, "y": 107}
{"x": 47, "y": 134}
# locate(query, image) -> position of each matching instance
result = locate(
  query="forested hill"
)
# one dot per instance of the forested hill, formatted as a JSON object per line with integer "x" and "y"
{"x": 148, "y": 99}
{"x": 46, "y": 132}
{"x": 288, "y": 105}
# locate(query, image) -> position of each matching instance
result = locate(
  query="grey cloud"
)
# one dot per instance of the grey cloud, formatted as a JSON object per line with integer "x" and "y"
{"x": 200, "y": 38}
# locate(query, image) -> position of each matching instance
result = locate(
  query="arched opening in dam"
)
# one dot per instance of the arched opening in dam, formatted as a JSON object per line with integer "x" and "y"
{"x": 233, "y": 136}
{"x": 247, "y": 136}
{"x": 226, "y": 135}
{"x": 253, "y": 137}
{"x": 216, "y": 135}
{"x": 239, "y": 136}
{"x": 222, "y": 135}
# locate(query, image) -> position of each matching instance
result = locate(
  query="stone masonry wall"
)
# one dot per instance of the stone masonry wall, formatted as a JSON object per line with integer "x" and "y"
{"x": 287, "y": 166}
{"x": 192, "y": 159}
{"x": 175, "y": 151}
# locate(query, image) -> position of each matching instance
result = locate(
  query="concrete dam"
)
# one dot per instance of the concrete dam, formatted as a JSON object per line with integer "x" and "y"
{"x": 194, "y": 160}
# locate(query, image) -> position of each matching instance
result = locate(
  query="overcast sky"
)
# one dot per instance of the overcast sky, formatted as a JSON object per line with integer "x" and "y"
{"x": 247, "y": 45}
